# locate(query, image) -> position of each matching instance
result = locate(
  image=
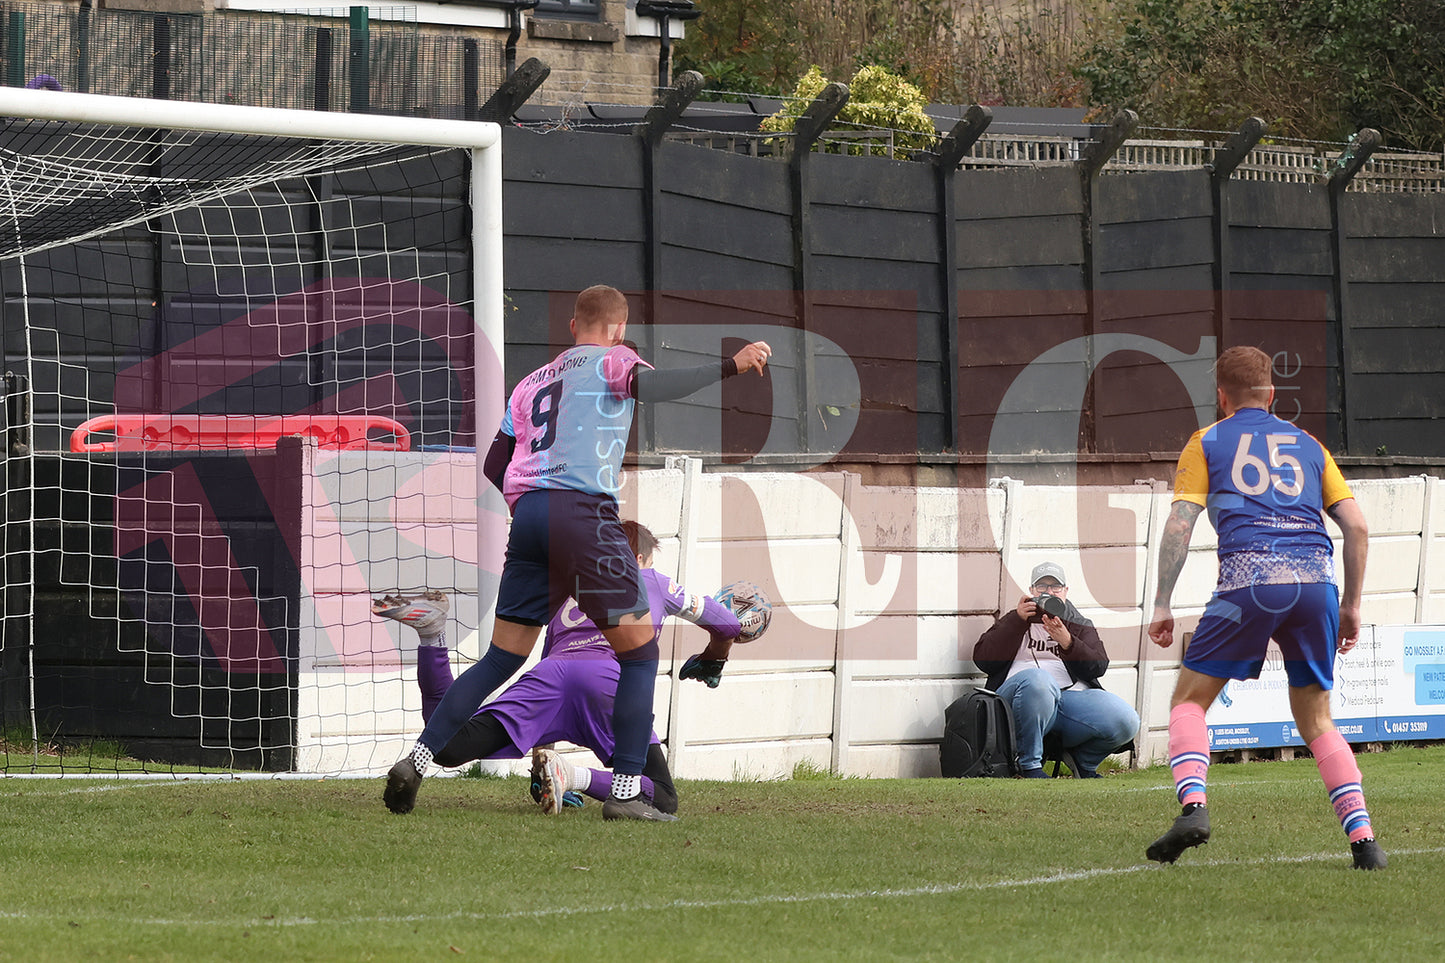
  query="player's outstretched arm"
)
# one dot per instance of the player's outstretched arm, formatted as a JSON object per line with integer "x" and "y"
{"x": 1356, "y": 531}
{"x": 1173, "y": 550}
{"x": 670, "y": 384}
{"x": 722, "y": 626}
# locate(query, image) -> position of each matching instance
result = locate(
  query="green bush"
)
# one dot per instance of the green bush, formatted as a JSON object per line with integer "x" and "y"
{"x": 878, "y": 101}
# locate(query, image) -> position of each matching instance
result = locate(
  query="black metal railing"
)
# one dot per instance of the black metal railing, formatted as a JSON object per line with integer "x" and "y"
{"x": 343, "y": 63}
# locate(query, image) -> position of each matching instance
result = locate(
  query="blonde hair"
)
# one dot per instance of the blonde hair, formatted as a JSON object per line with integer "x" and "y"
{"x": 1245, "y": 374}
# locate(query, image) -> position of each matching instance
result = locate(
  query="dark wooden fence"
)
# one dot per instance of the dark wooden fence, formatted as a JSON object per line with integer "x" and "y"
{"x": 952, "y": 293}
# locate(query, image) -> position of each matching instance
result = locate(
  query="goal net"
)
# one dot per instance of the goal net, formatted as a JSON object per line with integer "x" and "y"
{"x": 244, "y": 355}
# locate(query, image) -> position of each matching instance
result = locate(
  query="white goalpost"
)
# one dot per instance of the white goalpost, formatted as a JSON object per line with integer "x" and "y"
{"x": 249, "y": 355}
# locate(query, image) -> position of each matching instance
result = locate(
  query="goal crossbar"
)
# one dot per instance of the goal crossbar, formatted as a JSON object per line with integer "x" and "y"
{"x": 239, "y": 119}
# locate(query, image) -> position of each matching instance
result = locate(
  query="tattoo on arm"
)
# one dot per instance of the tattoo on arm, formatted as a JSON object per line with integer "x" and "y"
{"x": 1174, "y": 547}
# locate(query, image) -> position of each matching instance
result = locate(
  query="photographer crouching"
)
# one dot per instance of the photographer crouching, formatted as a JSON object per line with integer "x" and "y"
{"x": 1045, "y": 659}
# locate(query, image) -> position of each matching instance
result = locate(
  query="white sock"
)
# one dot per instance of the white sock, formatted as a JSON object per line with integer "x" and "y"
{"x": 421, "y": 757}
{"x": 439, "y": 639}
{"x": 580, "y": 778}
{"x": 625, "y": 787}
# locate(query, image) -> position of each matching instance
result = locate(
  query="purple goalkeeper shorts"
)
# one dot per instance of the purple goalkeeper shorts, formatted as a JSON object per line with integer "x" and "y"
{"x": 560, "y": 700}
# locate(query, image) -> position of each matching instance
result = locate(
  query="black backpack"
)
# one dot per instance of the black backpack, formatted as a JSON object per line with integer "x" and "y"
{"x": 978, "y": 737}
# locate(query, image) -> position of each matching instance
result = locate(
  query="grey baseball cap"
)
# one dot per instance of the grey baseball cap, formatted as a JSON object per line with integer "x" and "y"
{"x": 1048, "y": 570}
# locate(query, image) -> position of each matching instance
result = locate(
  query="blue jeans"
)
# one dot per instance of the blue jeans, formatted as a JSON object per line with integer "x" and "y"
{"x": 1091, "y": 723}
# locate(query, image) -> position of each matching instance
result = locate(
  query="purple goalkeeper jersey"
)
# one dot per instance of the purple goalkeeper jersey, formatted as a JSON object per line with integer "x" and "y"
{"x": 571, "y": 419}
{"x": 571, "y": 634}
{"x": 568, "y": 695}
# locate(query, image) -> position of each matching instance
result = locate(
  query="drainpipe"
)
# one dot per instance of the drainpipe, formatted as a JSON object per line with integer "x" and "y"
{"x": 665, "y": 11}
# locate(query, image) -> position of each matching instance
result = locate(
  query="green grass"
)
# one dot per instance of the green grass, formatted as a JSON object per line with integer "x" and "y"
{"x": 20, "y": 754}
{"x": 813, "y": 869}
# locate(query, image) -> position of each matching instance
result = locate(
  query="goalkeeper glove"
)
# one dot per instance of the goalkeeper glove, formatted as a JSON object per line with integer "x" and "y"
{"x": 703, "y": 670}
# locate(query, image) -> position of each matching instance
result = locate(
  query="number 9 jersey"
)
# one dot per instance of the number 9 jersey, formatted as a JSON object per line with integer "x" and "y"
{"x": 1266, "y": 484}
{"x": 571, "y": 419}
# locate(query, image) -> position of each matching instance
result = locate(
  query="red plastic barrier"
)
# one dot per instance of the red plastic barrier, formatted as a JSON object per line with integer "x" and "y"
{"x": 219, "y": 432}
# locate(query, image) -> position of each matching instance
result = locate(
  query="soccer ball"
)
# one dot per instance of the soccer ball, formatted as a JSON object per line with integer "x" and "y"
{"x": 750, "y": 604}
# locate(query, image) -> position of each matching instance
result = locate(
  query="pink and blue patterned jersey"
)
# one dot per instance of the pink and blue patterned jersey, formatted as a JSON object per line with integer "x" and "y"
{"x": 571, "y": 634}
{"x": 1266, "y": 484}
{"x": 571, "y": 419}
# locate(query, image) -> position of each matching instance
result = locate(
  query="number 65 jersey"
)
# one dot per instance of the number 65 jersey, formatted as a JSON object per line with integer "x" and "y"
{"x": 571, "y": 419}
{"x": 1266, "y": 484}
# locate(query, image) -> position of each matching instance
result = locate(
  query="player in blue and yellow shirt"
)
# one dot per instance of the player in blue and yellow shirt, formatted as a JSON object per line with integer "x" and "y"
{"x": 1267, "y": 485}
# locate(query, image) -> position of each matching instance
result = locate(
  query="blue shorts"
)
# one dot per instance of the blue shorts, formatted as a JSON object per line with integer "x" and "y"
{"x": 569, "y": 544}
{"x": 1234, "y": 633}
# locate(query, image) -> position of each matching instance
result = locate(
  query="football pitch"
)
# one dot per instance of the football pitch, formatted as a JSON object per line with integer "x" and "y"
{"x": 806, "y": 869}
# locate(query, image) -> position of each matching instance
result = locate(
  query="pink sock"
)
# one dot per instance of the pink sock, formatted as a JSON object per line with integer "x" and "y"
{"x": 1336, "y": 762}
{"x": 1188, "y": 752}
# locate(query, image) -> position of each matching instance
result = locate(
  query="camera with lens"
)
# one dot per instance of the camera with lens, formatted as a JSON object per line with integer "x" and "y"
{"x": 1050, "y": 605}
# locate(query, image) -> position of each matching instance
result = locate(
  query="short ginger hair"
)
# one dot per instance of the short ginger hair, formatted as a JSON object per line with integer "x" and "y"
{"x": 598, "y": 305}
{"x": 1245, "y": 374}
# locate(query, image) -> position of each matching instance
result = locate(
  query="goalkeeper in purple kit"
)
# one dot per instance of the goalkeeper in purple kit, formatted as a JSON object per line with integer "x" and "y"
{"x": 558, "y": 462}
{"x": 568, "y": 696}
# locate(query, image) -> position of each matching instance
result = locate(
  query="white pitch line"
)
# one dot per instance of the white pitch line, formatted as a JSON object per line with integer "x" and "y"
{"x": 939, "y": 889}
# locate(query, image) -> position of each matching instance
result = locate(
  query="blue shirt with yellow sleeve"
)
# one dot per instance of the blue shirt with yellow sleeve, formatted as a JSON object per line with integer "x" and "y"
{"x": 1265, "y": 483}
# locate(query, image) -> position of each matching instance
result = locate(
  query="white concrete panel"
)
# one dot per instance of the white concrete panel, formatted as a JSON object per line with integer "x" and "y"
{"x": 1123, "y": 681}
{"x": 893, "y": 762}
{"x": 910, "y": 647}
{"x": 1156, "y": 713}
{"x": 1082, "y": 516}
{"x": 665, "y": 560}
{"x": 1392, "y": 506}
{"x": 399, "y": 486}
{"x": 1197, "y": 580}
{"x": 381, "y": 558}
{"x": 895, "y": 711}
{"x": 653, "y": 498}
{"x": 795, "y": 705}
{"x": 1393, "y": 564}
{"x": 340, "y": 631}
{"x": 330, "y": 702}
{"x": 1119, "y": 631}
{"x": 948, "y": 519}
{"x": 769, "y": 505}
{"x": 936, "y": 583}
{"x": 751, "y": 762}
{"x": 662, "y": 702}
{"x": 793, "y": 571}
{"x": 350, "y": 722}
{"x": 1393, "y": 609}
